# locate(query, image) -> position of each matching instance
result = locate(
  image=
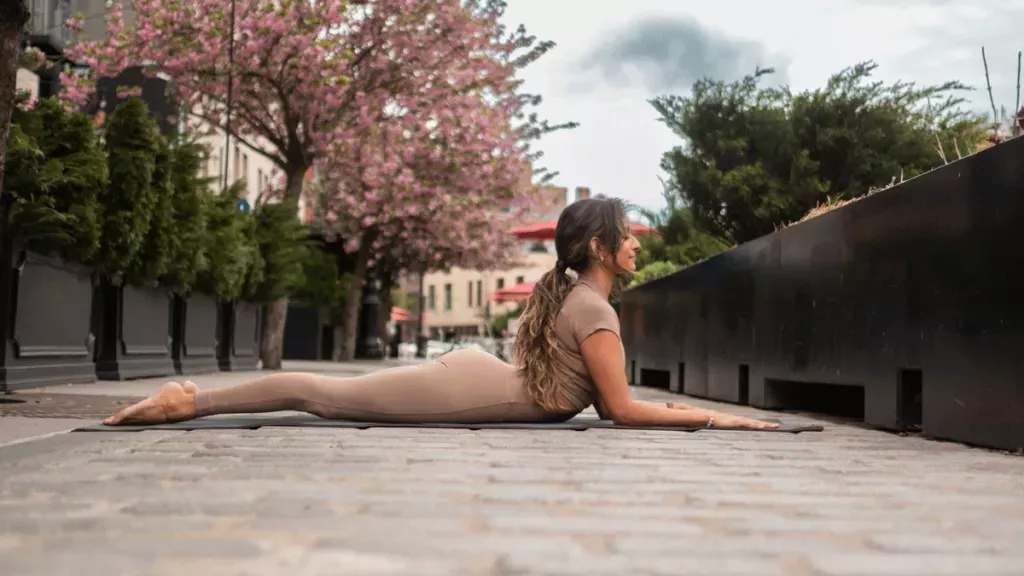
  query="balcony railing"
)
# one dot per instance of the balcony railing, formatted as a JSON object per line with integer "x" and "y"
{"x": 46, "y": 29}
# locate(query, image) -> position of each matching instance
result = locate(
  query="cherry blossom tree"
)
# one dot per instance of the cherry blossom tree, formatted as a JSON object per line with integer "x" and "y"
{"x": 306, "y": 74}
{"x": 371, "y": 85}
{"x": 443, "y": 168}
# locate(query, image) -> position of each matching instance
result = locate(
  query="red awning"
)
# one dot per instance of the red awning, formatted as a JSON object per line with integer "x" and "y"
{"x": 399, "y": 314}
{"x": 515, "y": 293}
{"x": 546, "y": 230}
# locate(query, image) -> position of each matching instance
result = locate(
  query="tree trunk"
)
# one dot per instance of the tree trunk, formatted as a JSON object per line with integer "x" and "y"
{"x": 350, "y": 324}
{"x": 272, "y": 337}
{"x": 13, "y": 17}
{"x": 272, "y": 341}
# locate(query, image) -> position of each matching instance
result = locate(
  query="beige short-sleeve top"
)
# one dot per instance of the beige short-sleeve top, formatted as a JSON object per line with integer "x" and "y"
{"x": 585, "y": 311}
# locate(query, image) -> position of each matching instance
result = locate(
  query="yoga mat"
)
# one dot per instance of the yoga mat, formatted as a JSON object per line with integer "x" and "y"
{"x": 249, "y": 422}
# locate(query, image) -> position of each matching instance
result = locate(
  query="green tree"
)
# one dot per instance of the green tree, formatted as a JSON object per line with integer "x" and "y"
{"x": 55, "y": 170}
{"x": 322, "y": 285}
{"x": 652, "y": 271}
{"x": 153, "y": 260}
{"x": 756, "y": 158}
{"x": 283, "y": 247}
{"x": 132, "y": 142}
{"x": 679, "y": 240}
{"x": 230, "y": 246}
{"x": 188, "y": 248}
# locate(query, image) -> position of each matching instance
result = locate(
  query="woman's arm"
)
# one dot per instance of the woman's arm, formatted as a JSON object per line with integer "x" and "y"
{"x": 602, "y": 354}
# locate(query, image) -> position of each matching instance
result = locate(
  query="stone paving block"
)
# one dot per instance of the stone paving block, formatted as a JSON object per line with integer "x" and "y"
{"x": 549, "y": 547}
{"x": 307, "y": 561}
{"x": 930, "y": 543}
{"x": 724, "y": 546}
{"x": 592, "y": 525}
{"x": 876, "y": 564}
{"x": 779, "y": 524}
{"x": 644, "y": 565}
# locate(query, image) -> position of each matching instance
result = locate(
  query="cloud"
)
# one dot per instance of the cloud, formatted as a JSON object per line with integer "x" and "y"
{"x": 668, "y": 54}
{"x": 951, "y": 50}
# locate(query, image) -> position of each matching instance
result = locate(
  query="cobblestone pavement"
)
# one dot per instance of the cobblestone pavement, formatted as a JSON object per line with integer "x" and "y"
{"x": 847, "y": 501}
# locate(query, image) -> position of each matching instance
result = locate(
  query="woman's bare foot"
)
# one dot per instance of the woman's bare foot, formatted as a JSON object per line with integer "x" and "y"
{"x": 173, "y": 402}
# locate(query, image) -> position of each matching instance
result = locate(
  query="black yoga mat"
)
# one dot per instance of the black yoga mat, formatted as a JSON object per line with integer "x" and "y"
{"x": 245, "y": 421}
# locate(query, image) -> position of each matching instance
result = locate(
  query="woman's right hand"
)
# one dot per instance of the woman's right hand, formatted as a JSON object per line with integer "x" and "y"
{"x": 723, "y": 420}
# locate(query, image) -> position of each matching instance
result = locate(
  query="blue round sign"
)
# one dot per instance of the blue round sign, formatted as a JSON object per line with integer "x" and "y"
{"x": 242, "y": 206}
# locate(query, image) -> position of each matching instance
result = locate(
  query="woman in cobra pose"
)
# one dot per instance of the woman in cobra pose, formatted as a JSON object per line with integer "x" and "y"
{"x": 568, "y": 356}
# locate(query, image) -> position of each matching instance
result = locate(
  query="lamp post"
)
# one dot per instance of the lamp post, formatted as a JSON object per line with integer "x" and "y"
{"x": 368, "y": 336}
{"x": 421, "y": 341}
{"x": 231, "y": 67}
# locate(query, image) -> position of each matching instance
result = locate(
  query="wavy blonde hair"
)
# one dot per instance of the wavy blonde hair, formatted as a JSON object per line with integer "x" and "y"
{"x": 536, "y": 349}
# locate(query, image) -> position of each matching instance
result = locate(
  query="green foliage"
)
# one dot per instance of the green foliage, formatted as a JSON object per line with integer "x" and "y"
{"x": 231, "y": 250}
{"x": 132, "y": 142}
{"x": 679, "y": 239}
{"x": 322, "y": 286}
{"x": 153, "y": 260}
{"x": 500, "y": 322}
{"x": 283, "y": 247}
{"x": 652, "y": 271}
{"x": 190, "y": 190}
{"x": 757, "y": 158}
{"x": 55, "y": 169}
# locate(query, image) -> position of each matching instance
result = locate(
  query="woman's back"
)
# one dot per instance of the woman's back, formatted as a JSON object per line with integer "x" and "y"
{"x": 584, "y": 312}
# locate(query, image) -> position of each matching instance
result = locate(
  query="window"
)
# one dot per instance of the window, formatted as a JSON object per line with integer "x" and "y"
{"x": 245, "y": 166}
{"x": 501, "y": 283}
{"x": 469, "y": 290}
{"x": 447, "y": 296}
{"x": 259, "y": 180}
{"x": 431, "y": 303}
{"x": 520, "y": 279}
{"x": 479, "y": 292}
{"x": 237, "y": 162}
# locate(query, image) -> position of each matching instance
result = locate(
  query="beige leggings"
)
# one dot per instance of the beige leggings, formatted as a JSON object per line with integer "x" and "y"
{"x": 464, "y": 386}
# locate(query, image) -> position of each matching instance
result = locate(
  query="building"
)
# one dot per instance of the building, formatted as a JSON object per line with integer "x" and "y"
{"x": 460, "y": 302}
{"x": 47, "y": 33}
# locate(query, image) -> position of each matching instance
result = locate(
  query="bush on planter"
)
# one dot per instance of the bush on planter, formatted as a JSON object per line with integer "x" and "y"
{"x": 132, "y": 142}
{"x": 233, "y": 264}
{"x": 55, "y": 170}
{"x": 133, "y": 316}
{"x": 152, "y": 262}
{"x": 187, "y": 242}
{"x": 283, "y": 243}
{"x": 233, "y": 256}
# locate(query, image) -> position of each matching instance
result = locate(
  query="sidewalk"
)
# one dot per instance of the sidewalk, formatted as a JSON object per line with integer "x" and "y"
{"x": 847, "y": 501}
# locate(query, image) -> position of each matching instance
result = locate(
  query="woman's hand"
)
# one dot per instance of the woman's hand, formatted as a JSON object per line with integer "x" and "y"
{"x": 722, "y": 420}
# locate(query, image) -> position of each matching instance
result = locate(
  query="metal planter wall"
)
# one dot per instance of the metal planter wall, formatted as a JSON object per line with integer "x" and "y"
{"x": 46, "y": 315}
{"x": 195, "y": 334}
{"x": 133, "y": 332}
{"x": 240, "y": 324}
{"x": 904, "y": 309}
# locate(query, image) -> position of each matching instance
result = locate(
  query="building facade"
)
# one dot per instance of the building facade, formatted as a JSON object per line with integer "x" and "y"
{"x": 47, "y": 33}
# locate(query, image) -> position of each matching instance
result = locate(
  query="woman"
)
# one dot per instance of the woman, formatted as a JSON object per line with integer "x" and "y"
{"x": 568, "y": 356}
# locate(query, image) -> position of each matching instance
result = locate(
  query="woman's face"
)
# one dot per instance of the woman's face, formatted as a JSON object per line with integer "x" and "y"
{"x": 625, "y": 258}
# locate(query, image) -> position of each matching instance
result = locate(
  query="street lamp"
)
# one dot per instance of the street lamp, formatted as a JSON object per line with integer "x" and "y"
{"x": 231, "y": 67}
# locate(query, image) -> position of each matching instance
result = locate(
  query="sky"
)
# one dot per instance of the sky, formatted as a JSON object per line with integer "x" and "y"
{"x": 612, "y": 57}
